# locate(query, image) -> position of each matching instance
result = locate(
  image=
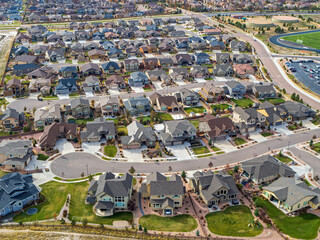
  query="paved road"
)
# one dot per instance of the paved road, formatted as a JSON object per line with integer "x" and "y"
{"x": 71, "y": 165}
{"x": 288, "y": 44}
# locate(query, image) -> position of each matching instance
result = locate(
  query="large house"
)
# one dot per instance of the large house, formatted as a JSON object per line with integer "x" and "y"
{"x": 80, "y": 108}
{"x": 11, "y": 119}
{"x": 211, "y": 93}
{"x": 187, "y": 97}
{"x": 136, "y": 106}
{"x": 16, "y": 191}
{"x": 97, "y": 130}
{"x": 165, "y": 194}
{"x": 109, "y": 193}
{"x": 248, "y": 120}
{"x": 43, "y": 116}
{"x": 214, "y": 188}
{"x": 137, "y": 136}
{"x": 177, "y": 132}
{"x": 15, "y": 154}
{"x": 265, "y": 169}
{"x": 164, "y": 103}
{"x": 292, "y": 194}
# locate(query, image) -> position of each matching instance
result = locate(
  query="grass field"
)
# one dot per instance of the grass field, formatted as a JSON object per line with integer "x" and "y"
{"x": 110, "y": 150}
{"x": 179, "y": 223}
{"x": 233, "y": 222}
{"x": 56, "y": 194}
{"x": 309, "y": 39}
{"x": 244, "y": 103}
{"x": 304, "y": 226}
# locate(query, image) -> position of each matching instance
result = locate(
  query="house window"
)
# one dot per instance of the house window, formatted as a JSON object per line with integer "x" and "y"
{"x": 176, "y": 196}
{"x": 176, "y": 203}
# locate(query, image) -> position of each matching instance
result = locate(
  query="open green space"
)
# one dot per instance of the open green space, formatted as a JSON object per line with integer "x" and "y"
{"x": 307, "y": 39}
{"x": 200, "y": 150}
{"x": 274, "y": 101}
{"x": 110, "y": 150}
{"x": 244, "y": 102}
{"x": 316, "y": 147}
{"x": 56, "y": 195}
{"x": 239, "y": 141}
{"x": 304, "y": 226}
{"x": 233, "y": 222}
{"x": 179, "y": 223}
{"x": 199, "y": 109}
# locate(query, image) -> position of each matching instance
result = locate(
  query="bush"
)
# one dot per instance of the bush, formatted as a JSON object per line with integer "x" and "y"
{"x": 84, "y": 222}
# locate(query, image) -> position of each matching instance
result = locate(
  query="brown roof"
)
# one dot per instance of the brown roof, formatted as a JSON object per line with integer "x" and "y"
{"x": 53, "y": 131}
{"x": 243, "y": 69}
{"x": 218, "y": 126}
{"x": 114, "y": 79}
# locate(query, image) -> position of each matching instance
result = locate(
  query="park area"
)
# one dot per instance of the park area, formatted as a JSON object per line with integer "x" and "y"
{"x": 308, "y": 39}
{"x": 234, "y": 221}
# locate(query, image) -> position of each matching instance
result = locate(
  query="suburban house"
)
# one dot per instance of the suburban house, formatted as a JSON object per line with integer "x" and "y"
{"x": 44, "y": 116}
{"x": 115, "y": 82}
{"x": 214, "y": 188}
{"x": 13, "y": 88}
{"x": 150, "y": 63}
{"x": 211, "y": 93}
{"x": 265, "y": 169}
{"x": 216, "y": 129}
{"x": 110, "y": 67}
{"x": 264, "y": 91}
{"x": 69, "y": 71}
{"x": 187, "y": 97}
{"x": 11, "y": 119}
{"x": 91, "y": 84}
{"x": 179, "y": 73}
{"x": 243, "y": 70}
{"x": 98, "y": 130}
{"x": 296, "y": 110}
{"x": 158, "y": 75}
{"x": 241, "y": 59}
{"x": 79, "y": 108}
{"x": 165, "y": 194}
{"x": 182, "y": 59}
{"x": 292, "y": 194}
{"x": 23, "y": 69}
{"x": 138, "y": 135}
{"x": 223, "y": 70}
{"x": 54, "y": 55}
{"x": 55, "y": 131}
{"x": 199, "y": 72}
{"x": 137, "y": 106}
{"x": 164, "y": 103}
{"x": 222, "y": 58}
{"x": 176, "y": 132}
{"x": 15, "y": 154}
{"x": 235, "y": 89}
{"x": 17, "y": 191}
{"x": 66, "y": 86}
{"x": 109, "y": 193}
{"x": 202, "y": 58}
{"x": 248, "y": 120}
{"x": 90, "y": 69}
{"x": 131, "y": 65}
{"x": 138, "y": 79}
{"x": 108, "y": 106}
{"x": 238, "y": 45}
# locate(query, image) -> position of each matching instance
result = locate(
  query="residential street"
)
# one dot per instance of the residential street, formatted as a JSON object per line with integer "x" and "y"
{"x": 71, "y": 165}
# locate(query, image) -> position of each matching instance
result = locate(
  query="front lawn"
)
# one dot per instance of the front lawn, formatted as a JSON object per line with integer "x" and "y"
{"x": 239, "y": 141}
{"x": 199, "y": 109}
{"x": 110, "y": 151}
{"x": 200, "y": 150}
{"x": 266, "y": 134}
{"x": 42, "y": 157}
{"x": 233, "y": 222}
{"x": 316, "y": 147}
{"x": 283, "y": 159}
{"x": 304, "y": 226}
{"x": 56, "y": 194}
{"x": 244, "y": 102}
{"x": 180, "y": 223}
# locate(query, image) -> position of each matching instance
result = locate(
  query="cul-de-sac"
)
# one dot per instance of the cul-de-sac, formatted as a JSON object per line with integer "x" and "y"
{"x": 142, "y": 119}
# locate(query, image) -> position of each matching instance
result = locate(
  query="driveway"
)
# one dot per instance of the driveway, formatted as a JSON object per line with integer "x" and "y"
{"x": 134, "y": 155}
{"x": 282, "y": 129}
{"x": 89, "y": 94}
{"x": 138, "y": 89}
{"x": 257, "y": 136}
{"x": 225, "y": 146}
{"x": 64, "y": 146}
{"x": 180, "y": 151}
{"x": 91, "y": 147}
{"x": 157, "y": 85}
{"x": 63, "y": 96}
{"x": 200, "y": 80}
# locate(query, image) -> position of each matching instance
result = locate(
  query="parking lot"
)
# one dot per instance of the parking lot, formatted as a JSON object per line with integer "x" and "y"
{"x": 307, "y": 72}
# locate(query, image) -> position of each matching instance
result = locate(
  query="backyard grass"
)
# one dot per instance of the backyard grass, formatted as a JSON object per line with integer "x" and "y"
{"x": 110, "y": 150}
{"x": 2, "y": 173}
{"x": 199, "y": 109}
{"x": 180, "y": 223}
{"x": 316, "y": 147}
{"x": 221, "y": 107}
{"x": 274, "y": 101}
{"x": 308, "y": 39}
{"x": 200, "y": 150}
{"x": 284, "y": 159}
{"x": 266, "y": 134}
{"x": 42, "y": 157}
{"x": 304, "y": 226}
{"x": 239, "y": 141}
{"x": 56, "y": 194}
{"x": 233, "y": 222}
{"x": 164, "y": 116}
{"x": 195, "y": 123}
{"x": 122, "y": 130}
{"x": 83, "y": 121}
{"x": 245, "y": 102}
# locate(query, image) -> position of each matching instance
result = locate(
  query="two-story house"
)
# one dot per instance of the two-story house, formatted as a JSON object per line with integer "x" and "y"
{"x": 187, "y": 97}
{"x": 79, "y": 108}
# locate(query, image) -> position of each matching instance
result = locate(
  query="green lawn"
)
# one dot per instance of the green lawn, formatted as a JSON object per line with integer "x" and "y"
{"x": 42, "y": 157}
{"x": 180, "y": 223}
{"x": 122, "y": 130}
{"x": 316, "y": 147}
{"x": 316, "y": 120}
{"x": 165, "y": 116}
{"x": 195, "y": 123}
{"x": 50, "y": 97}
{"x": 304, "y": 226}
{"x": 2, "y": 173}
{"x": 233, "y": 222}
{"x": 199, "y": 109}
{"x": 266, "y": 134}
{"x": 56, "y": 194}
{"x": 216, "y": 149}
{"x": 239, "y": 141}
{"x": 308, "y": 39}
{"x": 200, "y": 150}
{"x": 274, "y": 101}
{"x": 110, "y": 150}
{"x": 84, "y": 121}
{"x": 220, "y": 107}
{"x": 284, "y": 159}
{"x": 245, "y": 102}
